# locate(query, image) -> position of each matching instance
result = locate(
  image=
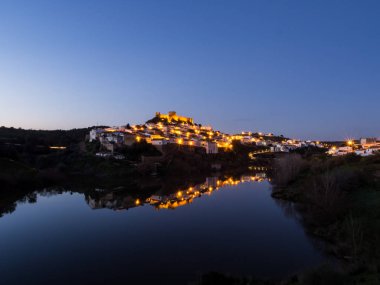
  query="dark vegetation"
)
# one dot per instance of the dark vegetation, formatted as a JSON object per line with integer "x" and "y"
{"x": 323, "y": 275}
{"x": 39, "y": 138}
{"x": 183, "y": 161}
{"x": 336, "y": 199}
{"x": 136, "y": 150}
{"x": 26, "y": 160}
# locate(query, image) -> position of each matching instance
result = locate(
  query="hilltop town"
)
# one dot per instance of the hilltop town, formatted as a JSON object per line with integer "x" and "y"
{"x": 165, "y": 129}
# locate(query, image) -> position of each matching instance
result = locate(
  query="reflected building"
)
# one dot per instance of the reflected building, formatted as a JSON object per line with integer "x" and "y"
{"x": 120, "y": 200}
{"x": 111, "y": 200}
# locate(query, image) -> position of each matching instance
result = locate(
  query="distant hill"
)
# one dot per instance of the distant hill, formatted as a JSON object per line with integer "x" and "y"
{"x": 43, "y": 137}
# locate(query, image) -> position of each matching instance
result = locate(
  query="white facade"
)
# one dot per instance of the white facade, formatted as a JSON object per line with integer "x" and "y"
{"x": 94, "y": 134}
{"x": 367, "y": 152}
{"x": 368, "y": 142}
{"x": 211, "y": 147}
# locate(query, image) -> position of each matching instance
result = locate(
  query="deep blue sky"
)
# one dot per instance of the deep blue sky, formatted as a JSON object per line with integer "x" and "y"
{"x": 306, "y": 69}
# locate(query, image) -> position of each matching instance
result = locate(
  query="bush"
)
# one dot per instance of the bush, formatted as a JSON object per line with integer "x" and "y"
{"x": 287, "y": 168}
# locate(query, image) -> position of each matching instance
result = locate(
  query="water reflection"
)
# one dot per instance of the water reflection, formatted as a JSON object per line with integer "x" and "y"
{"x": 238, "y": 230}
{"x": 159, "y": 194}
{"x": 10, "y": 200}
{"x": 120, "y": 200}
{"x": 294, "y": 211}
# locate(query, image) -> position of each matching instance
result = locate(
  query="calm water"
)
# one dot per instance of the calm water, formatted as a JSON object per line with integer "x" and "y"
{"x": 92, "y": 239}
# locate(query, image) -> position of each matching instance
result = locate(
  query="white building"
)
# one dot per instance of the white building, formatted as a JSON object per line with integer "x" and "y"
{"x": 95, "y": 133}
{"x": 368, "y": 142}
{"x": 343, "y": 150}
{"x": 367, "y": 152}
{"x": 261, "y": 143}
{"x": 211, "y": 147}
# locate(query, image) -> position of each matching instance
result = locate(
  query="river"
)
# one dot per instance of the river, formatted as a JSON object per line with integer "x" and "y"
{"x": 232, "y": 226}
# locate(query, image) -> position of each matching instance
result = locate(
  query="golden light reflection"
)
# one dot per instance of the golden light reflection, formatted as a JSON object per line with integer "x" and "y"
{"x": 181, "y": 198}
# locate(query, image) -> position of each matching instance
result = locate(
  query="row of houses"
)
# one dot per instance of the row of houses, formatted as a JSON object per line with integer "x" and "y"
{"x": 365, "y": 147}
{"x": 289, "y": 145}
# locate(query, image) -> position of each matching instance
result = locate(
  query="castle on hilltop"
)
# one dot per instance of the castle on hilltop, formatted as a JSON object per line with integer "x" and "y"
{"x": 172, "y": 116}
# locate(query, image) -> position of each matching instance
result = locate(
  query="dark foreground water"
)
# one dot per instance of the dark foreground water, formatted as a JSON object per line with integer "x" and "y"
{"x": 72, "y": 239}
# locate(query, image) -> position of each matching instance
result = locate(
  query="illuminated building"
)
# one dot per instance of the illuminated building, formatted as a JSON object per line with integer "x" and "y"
{"x": 172, "y": 116}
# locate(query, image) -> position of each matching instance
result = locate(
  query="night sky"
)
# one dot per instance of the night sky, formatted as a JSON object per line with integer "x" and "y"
{"x": 305, "y": 69}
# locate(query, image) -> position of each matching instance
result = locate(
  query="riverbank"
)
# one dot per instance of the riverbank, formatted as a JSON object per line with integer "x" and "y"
{"x": 337, "y": 199}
